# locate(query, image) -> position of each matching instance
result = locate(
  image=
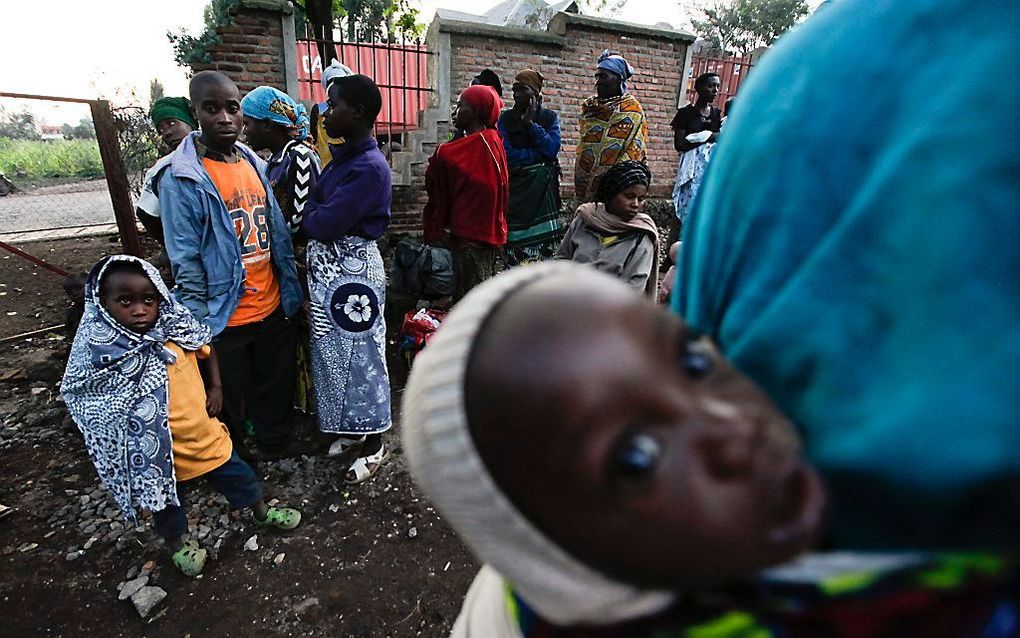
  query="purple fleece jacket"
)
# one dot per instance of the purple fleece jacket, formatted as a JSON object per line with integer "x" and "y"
{"x": 353, "y": 195}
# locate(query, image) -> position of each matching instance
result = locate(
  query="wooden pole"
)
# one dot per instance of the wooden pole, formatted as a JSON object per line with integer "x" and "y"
{"x": 116, "y": 177}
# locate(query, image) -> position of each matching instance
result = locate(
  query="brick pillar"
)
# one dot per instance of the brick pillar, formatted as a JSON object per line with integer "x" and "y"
{"x": 257, "y": 48}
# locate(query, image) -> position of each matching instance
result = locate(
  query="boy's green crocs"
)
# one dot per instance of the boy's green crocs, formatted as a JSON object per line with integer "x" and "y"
{"x": 281, "y": 518}
{"x": 190, "y": 559}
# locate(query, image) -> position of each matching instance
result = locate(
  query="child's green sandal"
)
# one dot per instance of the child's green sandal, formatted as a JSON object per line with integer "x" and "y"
{"x": 190, "y": 559}
{"x": 286, "y": 518}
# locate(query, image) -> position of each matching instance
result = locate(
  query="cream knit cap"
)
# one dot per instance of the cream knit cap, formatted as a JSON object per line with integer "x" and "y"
{"x": 445, "y": 463}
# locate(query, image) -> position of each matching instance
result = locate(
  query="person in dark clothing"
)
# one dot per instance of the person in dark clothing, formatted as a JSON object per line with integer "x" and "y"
{"x": 695, "y": 130}
{"x": 488, "y": 77}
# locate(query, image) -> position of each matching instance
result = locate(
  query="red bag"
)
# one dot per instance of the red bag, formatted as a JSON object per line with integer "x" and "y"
{"x": 417, "y": 329}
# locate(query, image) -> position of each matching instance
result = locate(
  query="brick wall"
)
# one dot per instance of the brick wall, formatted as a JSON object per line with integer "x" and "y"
{"x": 251, "y": 50}
{"x": 569, "y": 67}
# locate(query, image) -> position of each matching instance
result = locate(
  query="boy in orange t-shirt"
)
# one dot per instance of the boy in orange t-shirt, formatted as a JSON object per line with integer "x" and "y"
{"x": 234, "y": 265}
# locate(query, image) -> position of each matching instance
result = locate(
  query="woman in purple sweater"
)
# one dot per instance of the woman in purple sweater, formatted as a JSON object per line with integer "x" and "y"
{"x": 348, "y": 211}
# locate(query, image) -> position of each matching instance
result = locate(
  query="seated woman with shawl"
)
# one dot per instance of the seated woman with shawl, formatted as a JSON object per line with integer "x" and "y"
{"x": 531, "y": 138}
{"x": 612, "y": 127}
{"x": 615, "y": 235}
{"x": 695, "y": 130}
{"x": 467, "y": 186}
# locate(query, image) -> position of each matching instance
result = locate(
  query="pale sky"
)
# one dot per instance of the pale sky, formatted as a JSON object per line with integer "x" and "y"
{"x": 109, "y": 48}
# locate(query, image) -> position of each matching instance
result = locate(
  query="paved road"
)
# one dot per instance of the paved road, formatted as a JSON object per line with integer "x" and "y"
{"x": 84, "y": 204}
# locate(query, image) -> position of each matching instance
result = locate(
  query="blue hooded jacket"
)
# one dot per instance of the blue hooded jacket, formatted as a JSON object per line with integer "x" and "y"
{"x": 202, "y": 243}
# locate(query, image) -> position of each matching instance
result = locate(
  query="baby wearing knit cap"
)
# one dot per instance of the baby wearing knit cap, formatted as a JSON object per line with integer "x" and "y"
{"x": 596, "y": 455}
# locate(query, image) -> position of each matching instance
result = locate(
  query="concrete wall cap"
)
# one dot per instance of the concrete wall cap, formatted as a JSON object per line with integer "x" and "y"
{"x": 281, "y": 6}
{"x": 560, "y": 21}
{"x": 495, "y": 31}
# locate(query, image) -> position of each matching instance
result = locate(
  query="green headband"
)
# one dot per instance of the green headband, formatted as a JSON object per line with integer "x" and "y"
{"x": 177, "y": 108}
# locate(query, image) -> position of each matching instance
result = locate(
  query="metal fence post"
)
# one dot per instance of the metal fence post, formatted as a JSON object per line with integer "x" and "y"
{"x": 116, "y": 177}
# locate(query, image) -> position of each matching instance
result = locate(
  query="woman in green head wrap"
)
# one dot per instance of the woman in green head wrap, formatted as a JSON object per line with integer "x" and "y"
{"x": 173, "y": 119}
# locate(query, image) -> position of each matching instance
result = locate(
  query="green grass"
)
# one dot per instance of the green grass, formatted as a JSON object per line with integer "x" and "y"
{"x": 49, "y": 160}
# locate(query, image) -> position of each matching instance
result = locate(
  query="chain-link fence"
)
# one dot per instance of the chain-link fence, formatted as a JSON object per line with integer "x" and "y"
{"x": 58, "y": 177}
{"x": 67, "y": 196}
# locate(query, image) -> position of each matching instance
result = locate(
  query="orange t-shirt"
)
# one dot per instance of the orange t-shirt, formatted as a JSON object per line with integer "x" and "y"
{"x": 201, "y": 443}
{"x": 242, "y": 191}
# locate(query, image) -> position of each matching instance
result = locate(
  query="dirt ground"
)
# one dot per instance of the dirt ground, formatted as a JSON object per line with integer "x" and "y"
{"x": 368, "y": 560}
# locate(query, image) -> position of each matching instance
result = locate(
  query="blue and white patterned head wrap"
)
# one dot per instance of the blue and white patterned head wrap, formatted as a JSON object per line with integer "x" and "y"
{"x": 618, "y": 65}
{"x": 267, "y": 103}
{"x": 115, "y": 388}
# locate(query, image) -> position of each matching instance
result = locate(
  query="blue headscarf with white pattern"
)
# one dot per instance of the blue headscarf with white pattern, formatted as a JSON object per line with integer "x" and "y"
{"x": 616, "y": 64}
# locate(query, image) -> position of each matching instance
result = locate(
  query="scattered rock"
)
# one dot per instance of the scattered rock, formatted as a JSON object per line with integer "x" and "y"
{"x": 279, "y": 558}
{"x": 412, "y": 533}
{"x": 73, "y": 556}
{"x": 90, "y": 542}
{"x": 305, "y": 605}
{"x": 27, "y": 547}
{"x": 146, "y": 599}
{"x": 132, "y": 572}
{"x": 252, "y": 544}
{"x": 334, "y": 508}
{"x": 132, "y": 586}
{"x": 148, "y": 568}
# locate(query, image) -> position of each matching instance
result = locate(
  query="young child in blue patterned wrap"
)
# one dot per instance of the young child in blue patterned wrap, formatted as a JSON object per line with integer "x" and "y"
{"x": 134, "y": 388}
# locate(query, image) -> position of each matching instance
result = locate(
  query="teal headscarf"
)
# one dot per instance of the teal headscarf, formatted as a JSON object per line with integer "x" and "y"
{"x": 855, "y": 249}
{"x": 267, "y": 103}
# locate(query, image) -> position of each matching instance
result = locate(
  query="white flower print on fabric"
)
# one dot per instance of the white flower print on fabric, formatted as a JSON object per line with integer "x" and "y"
{"x": 358, "y": 308}
{"x": 347, "y": 294}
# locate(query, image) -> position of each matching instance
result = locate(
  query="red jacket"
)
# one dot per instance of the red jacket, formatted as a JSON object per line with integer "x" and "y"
{"x": 468, "y": 190}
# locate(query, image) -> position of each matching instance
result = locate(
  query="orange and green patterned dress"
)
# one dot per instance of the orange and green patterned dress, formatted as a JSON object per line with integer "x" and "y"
{"x": 611, "y": 131}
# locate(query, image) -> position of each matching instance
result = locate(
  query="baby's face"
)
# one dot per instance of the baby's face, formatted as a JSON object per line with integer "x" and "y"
{"x": 637, "y": 449}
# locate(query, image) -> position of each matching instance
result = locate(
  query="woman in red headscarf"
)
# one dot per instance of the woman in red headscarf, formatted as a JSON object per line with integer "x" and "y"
{"x": 468, "y": 190}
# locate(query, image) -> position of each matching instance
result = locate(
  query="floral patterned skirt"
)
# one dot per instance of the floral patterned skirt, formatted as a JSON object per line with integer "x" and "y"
{"x": 347, "y": 292}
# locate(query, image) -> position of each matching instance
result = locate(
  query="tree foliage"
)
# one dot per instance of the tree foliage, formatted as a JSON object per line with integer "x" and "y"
{"x": 156, "y": 91}
{"x": 140, "y": 144}
{"x": 191, "y": 49}
{"x": 365, "y": 20}
{"x": 83, "y": 130}
{"x": 745, "y": 25}
{"x": 18, "y": 125}
{"x": 361, "y": 20}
